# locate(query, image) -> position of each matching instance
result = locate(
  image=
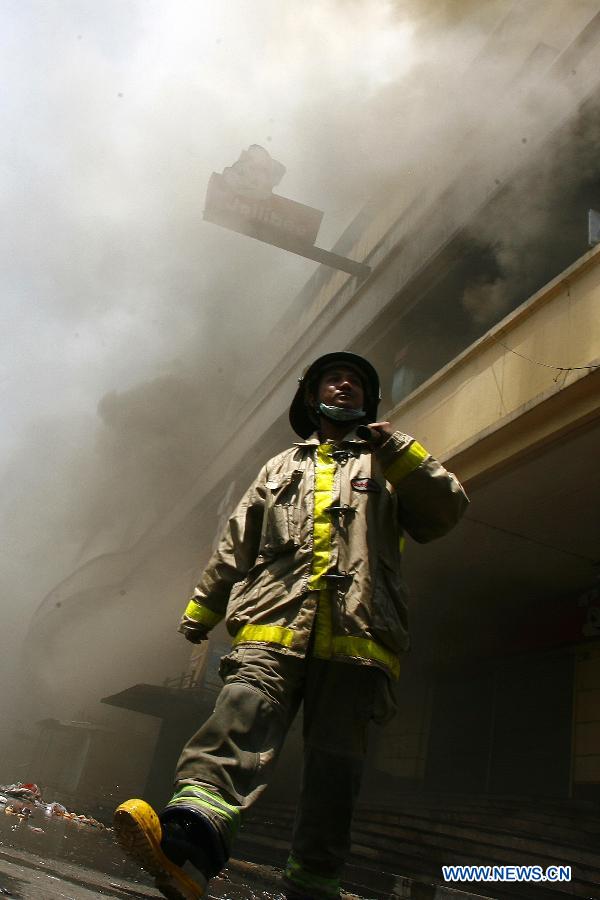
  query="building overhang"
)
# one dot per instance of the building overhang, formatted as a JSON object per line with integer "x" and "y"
{"x": 160, "y": 701}
{"x": 528, "y": 381}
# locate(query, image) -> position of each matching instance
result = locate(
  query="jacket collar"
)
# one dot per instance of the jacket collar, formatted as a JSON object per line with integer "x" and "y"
{"x": 313, "y": 440}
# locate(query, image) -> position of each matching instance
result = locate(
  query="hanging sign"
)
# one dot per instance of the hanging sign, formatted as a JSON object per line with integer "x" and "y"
{"x": 242, "y": 199}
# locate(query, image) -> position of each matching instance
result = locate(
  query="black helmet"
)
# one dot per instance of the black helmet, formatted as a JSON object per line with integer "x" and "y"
{"x": 301, "y": 418}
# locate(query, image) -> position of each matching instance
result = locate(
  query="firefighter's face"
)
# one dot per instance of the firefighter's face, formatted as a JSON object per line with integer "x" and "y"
{"x": 341, "y": 386}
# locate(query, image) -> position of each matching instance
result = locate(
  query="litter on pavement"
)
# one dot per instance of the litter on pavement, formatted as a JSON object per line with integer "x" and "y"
{"x": 25, "y": 800}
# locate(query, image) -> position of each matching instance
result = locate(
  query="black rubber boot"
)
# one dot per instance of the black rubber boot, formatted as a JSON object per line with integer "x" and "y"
{"x": 189, "y": 837}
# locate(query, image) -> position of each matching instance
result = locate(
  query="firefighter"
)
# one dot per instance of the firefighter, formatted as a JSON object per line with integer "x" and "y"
{"x": 307, "y": 575}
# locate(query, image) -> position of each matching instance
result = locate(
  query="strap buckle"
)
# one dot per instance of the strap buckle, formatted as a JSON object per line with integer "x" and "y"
{"x": 342, "y": 456}
{"x": 342, "y": 510}
{"x": 338, "y": 576}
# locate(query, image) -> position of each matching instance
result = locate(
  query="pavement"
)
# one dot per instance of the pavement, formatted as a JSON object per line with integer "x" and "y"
{"x": 25, "y": 876}
{"x": 50, "y": 858}
{"x": 53, "y": 858}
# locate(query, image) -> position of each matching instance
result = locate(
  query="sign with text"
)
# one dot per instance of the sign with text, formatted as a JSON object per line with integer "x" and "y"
{"x": 242, "y": 199}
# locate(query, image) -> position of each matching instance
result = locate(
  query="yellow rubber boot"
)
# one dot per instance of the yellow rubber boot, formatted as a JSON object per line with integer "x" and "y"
{"x": 139, "y": 833}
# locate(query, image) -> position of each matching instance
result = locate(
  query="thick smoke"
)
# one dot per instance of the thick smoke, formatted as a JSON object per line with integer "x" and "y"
{"x": 135, "y": 331}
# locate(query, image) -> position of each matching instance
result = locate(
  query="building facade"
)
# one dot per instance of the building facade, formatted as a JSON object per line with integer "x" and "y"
{"x": 482, "y": 314}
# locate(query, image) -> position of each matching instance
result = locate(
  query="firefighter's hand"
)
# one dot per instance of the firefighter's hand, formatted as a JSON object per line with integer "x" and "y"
{"x": 380, "y": 432}
{"x": 195, "y": 635}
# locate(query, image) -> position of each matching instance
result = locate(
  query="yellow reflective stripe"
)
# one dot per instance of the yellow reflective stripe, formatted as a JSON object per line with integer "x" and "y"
{"x": 322, "y": 646}
{"x": 195, "y": 792}
{"x": 402, "y": 544}
{"x": 405, "y": 464}
{"x": 203, "y": 804}
{"x": 309, "y": 882}
{"x": 274, "y": 634}
{"x": 202, "y": 614}
{"x": 356, "y": 647}
{"x": 324, "y": 478}
{"x": 364, "y": 648}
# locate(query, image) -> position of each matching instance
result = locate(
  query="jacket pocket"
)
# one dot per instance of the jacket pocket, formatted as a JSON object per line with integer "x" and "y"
{"x": 390, "y": 612}
{"x": 231, "y": 662}
{"x": 281, "y": 525}
{"x": 282, "y": 528}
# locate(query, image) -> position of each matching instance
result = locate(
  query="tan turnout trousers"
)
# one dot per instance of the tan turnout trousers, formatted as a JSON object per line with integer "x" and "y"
{"x": 225, "y": 766}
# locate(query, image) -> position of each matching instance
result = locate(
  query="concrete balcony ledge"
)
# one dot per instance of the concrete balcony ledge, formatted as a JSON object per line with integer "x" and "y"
{"x": 530, "y": 379}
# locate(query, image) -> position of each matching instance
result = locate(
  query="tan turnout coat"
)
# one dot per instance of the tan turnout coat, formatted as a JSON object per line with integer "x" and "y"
{"x": 259, "y": 575}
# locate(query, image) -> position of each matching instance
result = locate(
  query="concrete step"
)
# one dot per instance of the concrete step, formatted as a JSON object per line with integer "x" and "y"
{"x": 413, "y": 839}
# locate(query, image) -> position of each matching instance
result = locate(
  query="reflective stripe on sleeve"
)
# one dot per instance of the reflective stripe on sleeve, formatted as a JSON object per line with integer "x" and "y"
{"x": 202, "y": 614}
{"x": 407, "y": 463}
{"x": 272, "y": 634}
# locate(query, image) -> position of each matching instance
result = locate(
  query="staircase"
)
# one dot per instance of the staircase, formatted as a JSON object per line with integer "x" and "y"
{"x": 398, "y": 849}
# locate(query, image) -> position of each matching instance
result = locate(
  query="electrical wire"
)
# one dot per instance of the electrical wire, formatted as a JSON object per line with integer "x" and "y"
{"x": 536, "y": 362}
{"x": 525, "y": 537}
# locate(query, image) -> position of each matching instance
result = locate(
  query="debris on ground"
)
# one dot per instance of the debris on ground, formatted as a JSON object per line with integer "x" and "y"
{"x": 25, "y": 800}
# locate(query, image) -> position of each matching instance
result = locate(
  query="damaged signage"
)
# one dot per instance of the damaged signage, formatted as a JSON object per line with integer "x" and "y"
{"x": 242, "y": 200}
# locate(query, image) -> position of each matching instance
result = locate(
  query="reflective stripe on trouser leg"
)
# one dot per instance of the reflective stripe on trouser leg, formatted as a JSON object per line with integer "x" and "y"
{"x": 308, "y": 883}
{"x": 204, "y": 800}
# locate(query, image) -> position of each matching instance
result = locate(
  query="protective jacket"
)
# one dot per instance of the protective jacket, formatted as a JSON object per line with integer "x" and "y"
{"x": 315, "y": 545}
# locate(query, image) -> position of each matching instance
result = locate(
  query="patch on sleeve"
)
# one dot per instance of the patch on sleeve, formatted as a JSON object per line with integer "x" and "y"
{"x": 365, "y": 485}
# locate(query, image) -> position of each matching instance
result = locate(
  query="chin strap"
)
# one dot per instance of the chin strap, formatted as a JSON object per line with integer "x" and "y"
{"x": 341, "y": 414}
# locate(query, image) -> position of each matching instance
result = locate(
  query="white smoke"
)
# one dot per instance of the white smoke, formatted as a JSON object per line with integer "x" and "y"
{"x": 134, "y": 331}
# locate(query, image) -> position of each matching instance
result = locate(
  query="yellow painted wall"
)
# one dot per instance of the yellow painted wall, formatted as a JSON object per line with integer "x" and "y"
{"x": 509, "y": 371}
